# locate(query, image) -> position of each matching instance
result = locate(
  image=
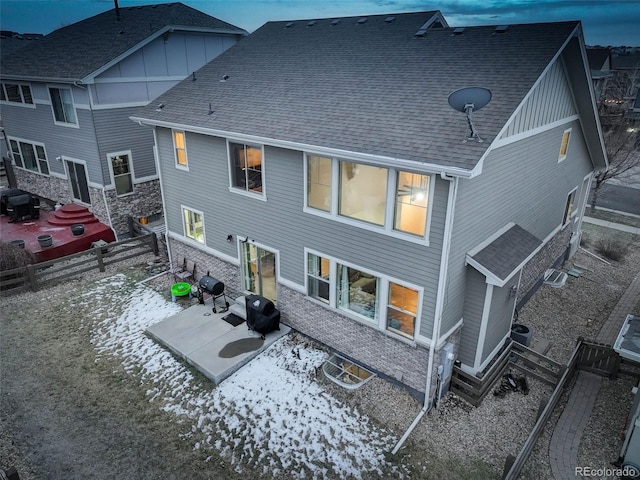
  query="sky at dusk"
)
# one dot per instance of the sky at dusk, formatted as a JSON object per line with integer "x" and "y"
{"x": 605, "y": 22}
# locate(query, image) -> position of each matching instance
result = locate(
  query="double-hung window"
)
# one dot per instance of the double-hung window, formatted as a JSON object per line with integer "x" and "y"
{"x": 193, "y": 224}
{"x": 29, "y": 156}
{"x": 386, "y": 199}
{"x": 246, "y": 167}
{"x": 16, "y": 93}
{"x": 64, "y": 111}
{"x": 120, "y": 164}
{"x": 180, "y": 149}
{"x": 569, "y": 208}
{"x": 375, "y": 299}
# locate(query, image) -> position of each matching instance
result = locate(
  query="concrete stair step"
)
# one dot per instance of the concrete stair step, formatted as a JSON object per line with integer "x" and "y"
{"x": 239, "y": 310}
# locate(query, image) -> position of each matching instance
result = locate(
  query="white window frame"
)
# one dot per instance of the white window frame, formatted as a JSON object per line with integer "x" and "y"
{"x": 178, "y": 165}
{"x": 75, "y": 124}
{"x": 110, "y": 156}
{"x": 66, "y": 161}
{"x": 22, "y": 101}
{"x": 567, "y": 219}
{"x": 262, "y": 195}
{"x": 562, "y": 156}
{"x": 38, "y": 159}
{"x": 184, "y": 208}
{"x": 388, "y": 228}
{"x": 382, "y": 297}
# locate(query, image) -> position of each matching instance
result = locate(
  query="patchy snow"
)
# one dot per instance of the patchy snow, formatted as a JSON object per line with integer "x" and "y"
{"x": 271, "y": 415}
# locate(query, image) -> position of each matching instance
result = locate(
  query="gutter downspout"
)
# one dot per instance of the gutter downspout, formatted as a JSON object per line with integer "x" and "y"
{"x": 156, "y": 157}
{"x": 444, "y": 264}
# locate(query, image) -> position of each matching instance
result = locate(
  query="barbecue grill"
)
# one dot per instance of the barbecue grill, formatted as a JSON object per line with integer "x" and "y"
{"x": 215, "y": 288}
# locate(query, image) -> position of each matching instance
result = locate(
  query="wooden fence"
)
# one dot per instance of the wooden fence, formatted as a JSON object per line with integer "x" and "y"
{"x": 589, "y": 356}
{"x": 33, "y": 277}
{"x": 473, "y": 388}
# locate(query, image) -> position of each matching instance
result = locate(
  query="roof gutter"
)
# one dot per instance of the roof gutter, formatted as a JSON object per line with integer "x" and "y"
{"x": 381, "y": 160}
{"x": 30, "y": 78}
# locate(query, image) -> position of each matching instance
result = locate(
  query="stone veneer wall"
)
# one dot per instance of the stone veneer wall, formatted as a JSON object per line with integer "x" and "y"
{"x": 145, "y": 201}
{"x": 398, "y": 360}
{"x": 57, "y": 190}
{"x": 548, "y": 255}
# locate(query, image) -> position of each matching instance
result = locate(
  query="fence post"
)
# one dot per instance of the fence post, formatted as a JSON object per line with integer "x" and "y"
{"x": 132, "y": 231}
{"x": 31, "y": 275}
{"x": 98, "y": 252}
{"x": 154, "y": 244}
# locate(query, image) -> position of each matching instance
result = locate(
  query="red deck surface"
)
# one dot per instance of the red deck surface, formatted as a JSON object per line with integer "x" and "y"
{"x": 57, "y": 224}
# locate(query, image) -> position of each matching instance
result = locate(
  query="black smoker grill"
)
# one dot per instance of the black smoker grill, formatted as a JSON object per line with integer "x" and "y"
{"x": 213, "y": 287}
{"x": 262, "y": 315}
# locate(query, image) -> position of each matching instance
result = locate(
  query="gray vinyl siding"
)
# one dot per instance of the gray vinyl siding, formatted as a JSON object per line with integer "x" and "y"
{"x": 500, "y": 316}
{"x": 522, "y": 183}
{"x": 37, "y": 125}
{"x": 476, "y": 288}
{"x": 550, "y": 101}
{"x": 115, "y": 132}
{"x": 176, "y": 54}
{"x": 280, "y": 223}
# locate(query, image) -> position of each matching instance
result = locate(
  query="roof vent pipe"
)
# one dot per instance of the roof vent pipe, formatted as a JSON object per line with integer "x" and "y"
{"x": 117, "y": 7}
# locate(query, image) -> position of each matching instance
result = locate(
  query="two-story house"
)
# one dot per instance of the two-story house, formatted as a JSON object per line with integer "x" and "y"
{"x": 320, "y": 164}
{"x": 66, "y": 101}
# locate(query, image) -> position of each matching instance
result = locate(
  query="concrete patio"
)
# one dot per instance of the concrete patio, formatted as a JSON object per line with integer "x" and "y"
{"x": 214, "y": 347}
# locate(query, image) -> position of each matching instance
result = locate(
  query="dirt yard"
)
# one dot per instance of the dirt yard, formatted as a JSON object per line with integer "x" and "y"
{"x": 67, "y": 411}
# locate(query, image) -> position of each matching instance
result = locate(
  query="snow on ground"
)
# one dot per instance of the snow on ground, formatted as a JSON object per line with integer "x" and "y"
{"x": 271, "y": 415}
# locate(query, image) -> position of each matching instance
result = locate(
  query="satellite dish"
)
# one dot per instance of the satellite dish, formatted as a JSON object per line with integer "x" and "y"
{"x": 466, "y": 100}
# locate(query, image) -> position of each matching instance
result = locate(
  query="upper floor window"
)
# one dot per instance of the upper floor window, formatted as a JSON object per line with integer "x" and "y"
{"x": 319, "y": 183}
{"x": 193, "y": 224}
{"x": 62, "y": 104}
{"x": 393, "y": 200}
{"x": 564, "y": 145}
{"x": 120, "y": 164}
{"x": 16, "y": 93}
{"x": 180, "y": 149}
{"x": 29, "y": 156}
{"x": 246, "y": 167}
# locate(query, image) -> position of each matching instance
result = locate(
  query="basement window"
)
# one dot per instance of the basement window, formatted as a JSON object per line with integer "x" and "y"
{"x": 346, "y": 373}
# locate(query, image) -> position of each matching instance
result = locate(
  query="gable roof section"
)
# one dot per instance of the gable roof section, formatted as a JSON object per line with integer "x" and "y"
{"x": 76, "y": 51}
{"x": 370, "y": 87}
{"x": 504, "y": 253}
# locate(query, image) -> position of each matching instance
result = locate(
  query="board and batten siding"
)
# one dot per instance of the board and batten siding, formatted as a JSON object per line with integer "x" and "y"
{"x": 551, "y": 100}
{"x": 280, "y": 223}
{"x": 475, "y": 292}
{"x": 115, "y": 132}
{"x": 500, "y": 316}
{"x": 158, "y": 66}
{"x": 521, "y": 182}
{"x": 37, "y": 125}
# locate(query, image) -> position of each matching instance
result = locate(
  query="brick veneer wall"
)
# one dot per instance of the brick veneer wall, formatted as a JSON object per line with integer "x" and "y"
{"x": 397, "y": 360}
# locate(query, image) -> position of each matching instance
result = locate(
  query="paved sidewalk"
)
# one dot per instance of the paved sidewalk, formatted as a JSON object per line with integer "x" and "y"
{"x": 563, "y": 448}
{"x": 615, "y": 226}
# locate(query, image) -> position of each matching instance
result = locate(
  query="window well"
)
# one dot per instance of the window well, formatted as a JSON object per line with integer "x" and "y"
{"x": 346, "y": 373}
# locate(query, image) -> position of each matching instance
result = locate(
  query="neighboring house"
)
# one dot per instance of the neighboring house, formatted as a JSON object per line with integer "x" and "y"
{"x": 66, "y": 101}
{"x": 318, "y": 163}
{"x": 600, "y": 65}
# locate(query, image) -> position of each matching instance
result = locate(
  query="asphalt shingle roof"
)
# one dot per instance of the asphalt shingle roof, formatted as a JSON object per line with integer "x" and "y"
{"x": 371, "y": 87}
{"x": 502, "y": 256}
{"x": 76, "y": 51}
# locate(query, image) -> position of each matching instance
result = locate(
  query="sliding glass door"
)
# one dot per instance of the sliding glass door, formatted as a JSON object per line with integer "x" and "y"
{"x": 259, "y": 271}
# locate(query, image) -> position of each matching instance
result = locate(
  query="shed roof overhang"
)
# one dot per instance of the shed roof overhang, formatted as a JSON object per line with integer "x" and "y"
{"x": 504, "y": 253}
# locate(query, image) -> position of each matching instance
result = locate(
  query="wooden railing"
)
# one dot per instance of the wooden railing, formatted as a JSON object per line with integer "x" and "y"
{"x": 33, "y": 277}
{"x": 473, "y": 388}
